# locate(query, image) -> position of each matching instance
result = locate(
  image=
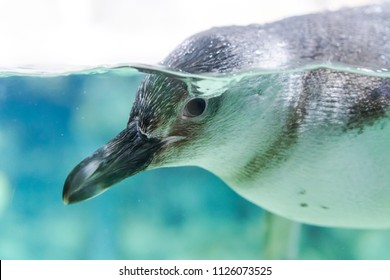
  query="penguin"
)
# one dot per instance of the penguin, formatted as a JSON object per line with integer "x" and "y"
{"x": 311, "y": 145}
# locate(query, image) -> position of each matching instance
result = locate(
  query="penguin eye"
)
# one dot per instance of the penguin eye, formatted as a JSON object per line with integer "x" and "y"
{"x": 194, "y": 108}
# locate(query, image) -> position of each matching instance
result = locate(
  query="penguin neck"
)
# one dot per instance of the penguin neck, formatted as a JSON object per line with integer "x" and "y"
{"x": 248, "y": 128}
{"x": 262, "y": 135}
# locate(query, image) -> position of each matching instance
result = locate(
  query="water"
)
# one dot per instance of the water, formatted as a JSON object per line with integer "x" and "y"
{"x": 50, "y": 120}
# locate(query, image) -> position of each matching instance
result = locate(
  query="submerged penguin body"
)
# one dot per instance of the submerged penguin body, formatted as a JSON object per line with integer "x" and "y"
{"x": 311, "y": 146}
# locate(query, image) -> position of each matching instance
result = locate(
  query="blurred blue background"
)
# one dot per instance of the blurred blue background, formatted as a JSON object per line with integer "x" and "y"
{"x": 49, "y": 124}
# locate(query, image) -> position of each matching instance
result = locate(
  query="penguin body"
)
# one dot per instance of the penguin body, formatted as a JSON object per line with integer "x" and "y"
{"x": 309, "y": 145}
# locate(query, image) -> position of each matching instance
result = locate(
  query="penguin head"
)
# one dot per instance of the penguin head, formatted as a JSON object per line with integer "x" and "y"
{"x": 165, "y": 128}
{"x": 169, "y": 124}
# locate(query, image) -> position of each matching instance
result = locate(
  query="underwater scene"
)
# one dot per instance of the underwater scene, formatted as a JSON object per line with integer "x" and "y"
{"x": 50, "y": 122}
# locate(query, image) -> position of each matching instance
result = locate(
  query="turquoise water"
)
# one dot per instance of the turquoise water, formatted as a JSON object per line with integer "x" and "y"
{"x": 50, "y": 121}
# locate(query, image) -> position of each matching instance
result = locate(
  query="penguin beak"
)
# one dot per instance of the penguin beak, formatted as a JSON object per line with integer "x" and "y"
{"x": 128, "y": 153}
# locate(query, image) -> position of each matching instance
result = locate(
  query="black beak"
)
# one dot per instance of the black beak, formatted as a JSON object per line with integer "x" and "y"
{"x": 128, "y": 153}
